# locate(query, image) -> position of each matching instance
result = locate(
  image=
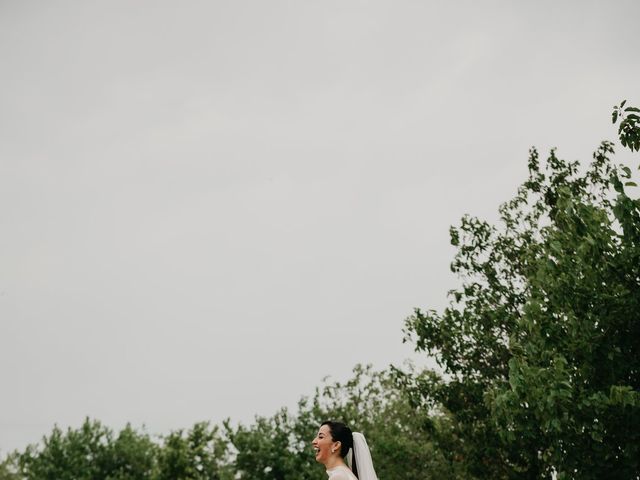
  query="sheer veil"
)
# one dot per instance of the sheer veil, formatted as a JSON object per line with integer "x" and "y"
{"x": 364, "y": 464}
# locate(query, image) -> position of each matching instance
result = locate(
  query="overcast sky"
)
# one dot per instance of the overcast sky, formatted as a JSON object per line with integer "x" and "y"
{"x": 208, "y": 206}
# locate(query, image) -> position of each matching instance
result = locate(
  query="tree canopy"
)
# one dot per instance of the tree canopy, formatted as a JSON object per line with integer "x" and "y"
{"x": 405, "y": 443}
{"x": 539, "y": 346}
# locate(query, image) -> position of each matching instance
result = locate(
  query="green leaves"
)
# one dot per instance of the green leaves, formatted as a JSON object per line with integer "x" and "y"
{"x": 89, "y": 452}
{"x": 629, "y": 128}
{"x": 404, "y": 441}
{"x": 94, "y": 452}
{"x": 409, "y": 439}
{"x": 536, "y": 343}
{"x": 198, "y": 454}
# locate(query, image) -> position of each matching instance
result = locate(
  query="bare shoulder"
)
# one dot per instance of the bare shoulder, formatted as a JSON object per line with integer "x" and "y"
{"x": 341, "y": 474}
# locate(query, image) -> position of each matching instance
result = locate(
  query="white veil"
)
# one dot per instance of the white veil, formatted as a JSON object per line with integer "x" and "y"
{"x": 364, "y": 464}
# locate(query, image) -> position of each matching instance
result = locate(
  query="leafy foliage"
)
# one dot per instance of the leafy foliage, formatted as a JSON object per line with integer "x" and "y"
{"x": 93, "y": 452}
{"x": 9, "y": 467}
{"x": 403, "y": 440}
{"x": 129, "y": 456}
{"x": 270, "y": 449}
{"x": 75, "y": 454}
{"x": 406, "y": 442}
{"x": 629, "y": 128}
{"x": 199, "y": 454}
{"x": 539, "y": 345}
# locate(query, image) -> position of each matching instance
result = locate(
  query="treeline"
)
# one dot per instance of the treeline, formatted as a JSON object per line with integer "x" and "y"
{"x": 539, "y": 357}
{"x": 409, "y": 444}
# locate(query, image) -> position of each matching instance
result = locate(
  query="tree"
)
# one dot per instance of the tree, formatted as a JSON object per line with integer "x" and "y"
{"x": 130, "y": 456}
{"x": 405, "y": 443}
{"x": 539, "y": 345}
{"x": 198, "y": 454}
{"x": 629, "y": 128}
{"x": 9, "y": 467}
{"x": 71, "y": 455}
{"x": 89, "y": 452}
{"x": 272, "y": 448}
{"x": 93, "y": 452}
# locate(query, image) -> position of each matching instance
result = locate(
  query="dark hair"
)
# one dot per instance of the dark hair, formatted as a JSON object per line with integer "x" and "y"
{"x": 341, "y": 433}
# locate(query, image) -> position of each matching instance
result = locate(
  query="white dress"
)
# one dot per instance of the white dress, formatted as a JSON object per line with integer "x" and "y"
{"x": 341, "y": 473}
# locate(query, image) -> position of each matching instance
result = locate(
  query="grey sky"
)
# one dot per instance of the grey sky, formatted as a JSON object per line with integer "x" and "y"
{"x": 206, "y": 207}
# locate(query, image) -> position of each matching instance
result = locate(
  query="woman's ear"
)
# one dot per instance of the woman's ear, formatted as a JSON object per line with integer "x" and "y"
{"x": 336, "y": 446}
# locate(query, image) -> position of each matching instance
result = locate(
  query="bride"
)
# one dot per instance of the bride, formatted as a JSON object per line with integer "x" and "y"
{"x": 333, "y": 443}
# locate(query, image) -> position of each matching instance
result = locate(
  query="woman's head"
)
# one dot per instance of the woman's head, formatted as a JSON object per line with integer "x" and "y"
{"x": 342, "y": 434}
{"x": 333, "y": 442}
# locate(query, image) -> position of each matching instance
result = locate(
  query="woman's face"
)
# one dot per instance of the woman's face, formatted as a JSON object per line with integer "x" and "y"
{"x": 323, "y": 445}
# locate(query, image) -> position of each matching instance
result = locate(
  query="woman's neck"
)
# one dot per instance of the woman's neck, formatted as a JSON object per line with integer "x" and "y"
{"x": 335, "y": 462}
